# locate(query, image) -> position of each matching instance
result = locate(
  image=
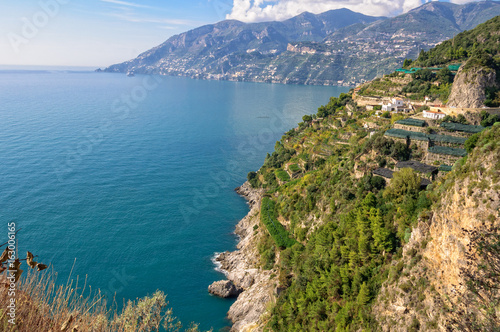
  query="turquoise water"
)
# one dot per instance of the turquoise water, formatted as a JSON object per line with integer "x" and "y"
{"x": 134, "y": 176}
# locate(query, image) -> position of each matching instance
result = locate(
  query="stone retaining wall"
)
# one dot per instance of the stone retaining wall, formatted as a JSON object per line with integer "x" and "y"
{"x": 441, "y": 158}
{"x": 410, "y": 128}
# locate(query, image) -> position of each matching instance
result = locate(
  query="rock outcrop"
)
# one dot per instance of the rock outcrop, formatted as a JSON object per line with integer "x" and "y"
{"x": 469, "y": 87}
{"x": 242, "y": 269}
{"x": 428, "y": 278}
{"x": 224, "y": 288}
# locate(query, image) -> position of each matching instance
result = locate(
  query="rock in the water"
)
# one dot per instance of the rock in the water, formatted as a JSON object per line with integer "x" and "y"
{"x": 224, "y": 288}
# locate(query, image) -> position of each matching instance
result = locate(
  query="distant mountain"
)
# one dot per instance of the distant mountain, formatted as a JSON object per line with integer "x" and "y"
{"x": 215, "y": 48}
{"x": 334, "y": 47}
{"x": 431, "y": 20}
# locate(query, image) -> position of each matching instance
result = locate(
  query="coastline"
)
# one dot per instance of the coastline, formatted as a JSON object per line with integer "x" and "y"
{"x": 211, "y": 77}
{"x": 242, "y": 268}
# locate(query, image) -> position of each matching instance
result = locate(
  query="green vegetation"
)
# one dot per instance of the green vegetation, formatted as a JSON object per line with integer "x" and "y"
{"x": 387, "y": 147}
{"x": 434, "y": 83}
{"x": 404, "y": 183}
{"x": 378, "y": 86}
{"x": 492, "y": 97}
{"x": 353, "y": 226}
{"x": 464, "y": 45}
{"x": 407, "y": 63}
{"x": 253, "y": 179}
{"x": 336, "y": 277}
{"x": 471, "y": 143}
{"x": 455, "y": 119}
{"x": 282, "y": 175}
{"x": 478, "y": 48}
{"x": 332, "y": 281}
{"x": 275, "y": 228}
{"x": 488, "y": 120}
{"x": 333, "y": 105}
{"x": 427, "y": 83}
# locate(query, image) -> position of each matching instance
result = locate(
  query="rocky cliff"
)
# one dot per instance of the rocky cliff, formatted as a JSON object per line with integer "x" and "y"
{"x": 470, "y": 85}
{"x": 426, "y": 288}
{"x": 242, "y": 268}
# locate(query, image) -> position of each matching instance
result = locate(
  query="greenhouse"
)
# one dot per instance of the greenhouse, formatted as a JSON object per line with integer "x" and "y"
{"x": 462, "y": 127}
{"x": 411, "y": 122}
{"x": 400, "y": 133}
{"x": 448, "y": 151}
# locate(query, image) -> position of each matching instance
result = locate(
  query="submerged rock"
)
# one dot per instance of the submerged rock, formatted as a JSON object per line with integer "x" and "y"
{"x": 224, "y": 288}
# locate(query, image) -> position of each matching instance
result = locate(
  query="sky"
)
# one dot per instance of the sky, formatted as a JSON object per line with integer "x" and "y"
{"x": 99, "y": 33}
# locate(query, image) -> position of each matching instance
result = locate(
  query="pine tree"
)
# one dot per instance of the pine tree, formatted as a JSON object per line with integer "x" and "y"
{"x": 364, "y": 295}
{"x": 380, "y": 233}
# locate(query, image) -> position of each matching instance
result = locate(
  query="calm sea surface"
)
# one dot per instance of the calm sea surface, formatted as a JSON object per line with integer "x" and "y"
{"x": 134, "y": 176}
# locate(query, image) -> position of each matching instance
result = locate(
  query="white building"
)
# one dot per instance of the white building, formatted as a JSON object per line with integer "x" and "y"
{"x": 389, "y": 107}
{"x": 396, "y": 105}
{"x": 435, "y": 115}
{"x": 398, "y": 102}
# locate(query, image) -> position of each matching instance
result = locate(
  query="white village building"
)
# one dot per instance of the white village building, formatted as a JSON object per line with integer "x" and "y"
{"x": 396, "y": 105}
{"x": 435, "y": 115}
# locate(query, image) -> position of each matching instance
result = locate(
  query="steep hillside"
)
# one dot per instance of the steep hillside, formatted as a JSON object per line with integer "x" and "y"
{"x": 336, "y": 46}
{"x": 216, "y": 48}
{"x": 477, "y": 83}
{"x": 476, "y": 55}
{"x": 373, "y": 222}
{"x": 335, "y": 246}
{"x": 447, "y": 277}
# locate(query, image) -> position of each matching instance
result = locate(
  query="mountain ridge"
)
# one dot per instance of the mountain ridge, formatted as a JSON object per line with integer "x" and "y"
{"x": 214, "y": 35}
{"x": 342, "y": 46}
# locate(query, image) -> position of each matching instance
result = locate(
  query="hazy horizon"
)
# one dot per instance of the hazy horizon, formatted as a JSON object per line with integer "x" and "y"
{"x": 99, "y": 33}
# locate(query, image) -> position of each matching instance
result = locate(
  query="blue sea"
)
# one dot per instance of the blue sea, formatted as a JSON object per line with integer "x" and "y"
{"x": 130, "y": 179}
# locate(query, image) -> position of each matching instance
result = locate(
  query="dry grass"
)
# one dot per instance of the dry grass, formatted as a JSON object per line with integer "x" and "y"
{"x": 44, "y": 305}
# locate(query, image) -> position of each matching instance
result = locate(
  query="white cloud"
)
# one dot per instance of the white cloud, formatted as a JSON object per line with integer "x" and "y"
{"x": 278, "y": 10}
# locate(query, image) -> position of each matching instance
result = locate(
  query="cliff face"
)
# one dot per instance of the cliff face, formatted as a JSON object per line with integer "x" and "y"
{"x": 242, "y": 267}
{"x": 429, "y": 278}
{"x": 469, "y": 87}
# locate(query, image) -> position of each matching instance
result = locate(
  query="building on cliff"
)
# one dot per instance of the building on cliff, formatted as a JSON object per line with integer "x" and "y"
{"x": 397, "y": 105}
{"x": 435, "y": 115}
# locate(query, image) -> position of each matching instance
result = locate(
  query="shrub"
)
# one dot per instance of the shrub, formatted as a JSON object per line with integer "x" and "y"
{"x": 267, "y": 215}
{"x": 488, "y": 120}
{"x": 42, "y": 305}
{"x": 253, "y": 179}
{"x": 377, "y": 182}
{"x": 404, "y": 182}
{"x": 471, "y": 142}
{"x": 282, "y": 175}
{"x": 386, "y": 115}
